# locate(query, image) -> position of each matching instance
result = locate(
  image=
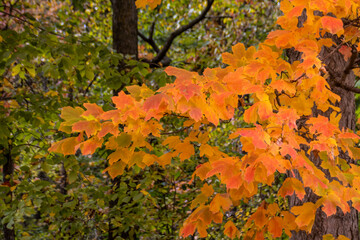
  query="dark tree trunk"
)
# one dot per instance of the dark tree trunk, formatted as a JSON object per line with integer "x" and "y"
{"x": 8, "y": 170}
{"x": 339, "y": 223}
{"x": 124, "y": 27}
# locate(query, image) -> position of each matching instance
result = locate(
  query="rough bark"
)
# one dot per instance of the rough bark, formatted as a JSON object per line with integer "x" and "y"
{"x": 125, "y": 27}
{"x": 339, "y": 223}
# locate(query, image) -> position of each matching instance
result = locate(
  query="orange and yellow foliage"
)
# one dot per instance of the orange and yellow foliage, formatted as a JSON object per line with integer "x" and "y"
{"x": 281, "y": 94}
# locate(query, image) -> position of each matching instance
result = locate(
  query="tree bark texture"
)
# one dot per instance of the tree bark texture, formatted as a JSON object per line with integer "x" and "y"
{"x": 339, "y": 223}
{"x": 124, "y": 27}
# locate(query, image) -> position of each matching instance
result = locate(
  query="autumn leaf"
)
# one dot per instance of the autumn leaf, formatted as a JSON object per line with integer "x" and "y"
{"x": 92, "y": 110}
{"x": 334, "y": 25}
{"x": 90, "y": 145}
{"x": 72, "y": 115}
{"x": 116, "y": 169}
{"x": 305, "y": 215}
{"x": 66, "y": 146}
{"x": 290, "y": 186}
{"x": 259, "y": 217}
{"x": 90, "y": 127}
{"x": 345, "y": 51}
{"x": 220, "y": 201}
{"x": 275, "y": 227}
{"x": 231, "y": 230}
{"x": 143, "y": 3}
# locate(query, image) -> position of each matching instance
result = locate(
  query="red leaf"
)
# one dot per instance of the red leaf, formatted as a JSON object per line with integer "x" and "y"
{"x": 346, "y": 51}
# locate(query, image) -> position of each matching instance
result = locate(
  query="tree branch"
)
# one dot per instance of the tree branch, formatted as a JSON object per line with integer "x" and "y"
{"x": 149, "y": 41}
{"x": 90, "y": 84}
{"x": 179, "y": 31}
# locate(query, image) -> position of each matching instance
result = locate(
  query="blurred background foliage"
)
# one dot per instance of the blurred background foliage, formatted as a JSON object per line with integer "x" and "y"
{"x": 58, "y": 53}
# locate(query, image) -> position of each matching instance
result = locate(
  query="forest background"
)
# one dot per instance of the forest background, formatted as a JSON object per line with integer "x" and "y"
{"x": 60, "y": 53}
{"x": 172, "y": 163}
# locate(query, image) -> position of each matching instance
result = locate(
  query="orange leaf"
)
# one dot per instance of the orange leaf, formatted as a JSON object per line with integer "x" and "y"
{"x": 108, "y": 127}
{"x": 234, "y": 182}
{"x": 220, "y": 201}
{"x": 202, "y": 170}
{"x": 259, "y": 217}
{"x": 258, "y": 135}
{"x": 249, "y": 174}
{"x": 143, "y": 3}
{"x": 122, "y": 100}
{"x": 231, "y": 230}
{"x": 188, "y": 229}
{"x": 275, "y": 227}
{"x": 65, "y": 146}
{"x": 90, "y": 127}
{"x": 291, "y": 185}
{"x": 92, "y": 109}
{"x": 334, "y": 25}
{"x": 207, "y": 190}
{"x": 90, "y": 145}
{"x": 196, "y": 114}
{"x": 116, "y": 169}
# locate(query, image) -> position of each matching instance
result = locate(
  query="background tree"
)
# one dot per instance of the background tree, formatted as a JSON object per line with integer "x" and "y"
{"x": 58, "y": 54}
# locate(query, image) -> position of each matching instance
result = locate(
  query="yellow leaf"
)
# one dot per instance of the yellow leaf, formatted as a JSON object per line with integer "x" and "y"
{"x": 306, "y": 215}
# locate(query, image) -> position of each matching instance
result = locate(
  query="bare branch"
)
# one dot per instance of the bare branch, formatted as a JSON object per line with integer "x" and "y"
{"x": 179, "y": 31}
{"x": 149, "y": 41}
{"x": 90, "y": 84}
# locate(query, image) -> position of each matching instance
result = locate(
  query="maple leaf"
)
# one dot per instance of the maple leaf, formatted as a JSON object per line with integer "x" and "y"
{"x": 290, "y": 186}
{"x": 220, "y": 201}
{"x": 231, "y": 230}
{"x": 72, "y": 115}
{"x": 90, "y": 145}
{"x": 234, "y": 182}
{"x": 345, "y": 51}
{"x": 143, "y": 3}
{"x": 259, "y": 217}
{"x": 90, "y": 127}
{"x": 305, "y": 215}
{"x": 275, "y": 227}
{"x": 259, "y": 137}
{"x": 66, "y": 146}
{"x": 188, "y": 229}
{"x": 122, "y": 100}
{"x": 334, "y": 25}
{"x": 108, "y": 127}
{"x": 116, "y": 169}
{"x": 92, "y": 110}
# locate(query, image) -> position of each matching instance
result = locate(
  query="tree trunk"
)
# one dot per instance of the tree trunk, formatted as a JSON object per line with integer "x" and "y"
{"x": 8, "y": 170}
{"x": 339, "y": 223}
{"x": 125, "y": 27}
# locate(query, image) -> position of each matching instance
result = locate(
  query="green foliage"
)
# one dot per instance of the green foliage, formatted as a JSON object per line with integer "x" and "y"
{"x": 60, "y": 55}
